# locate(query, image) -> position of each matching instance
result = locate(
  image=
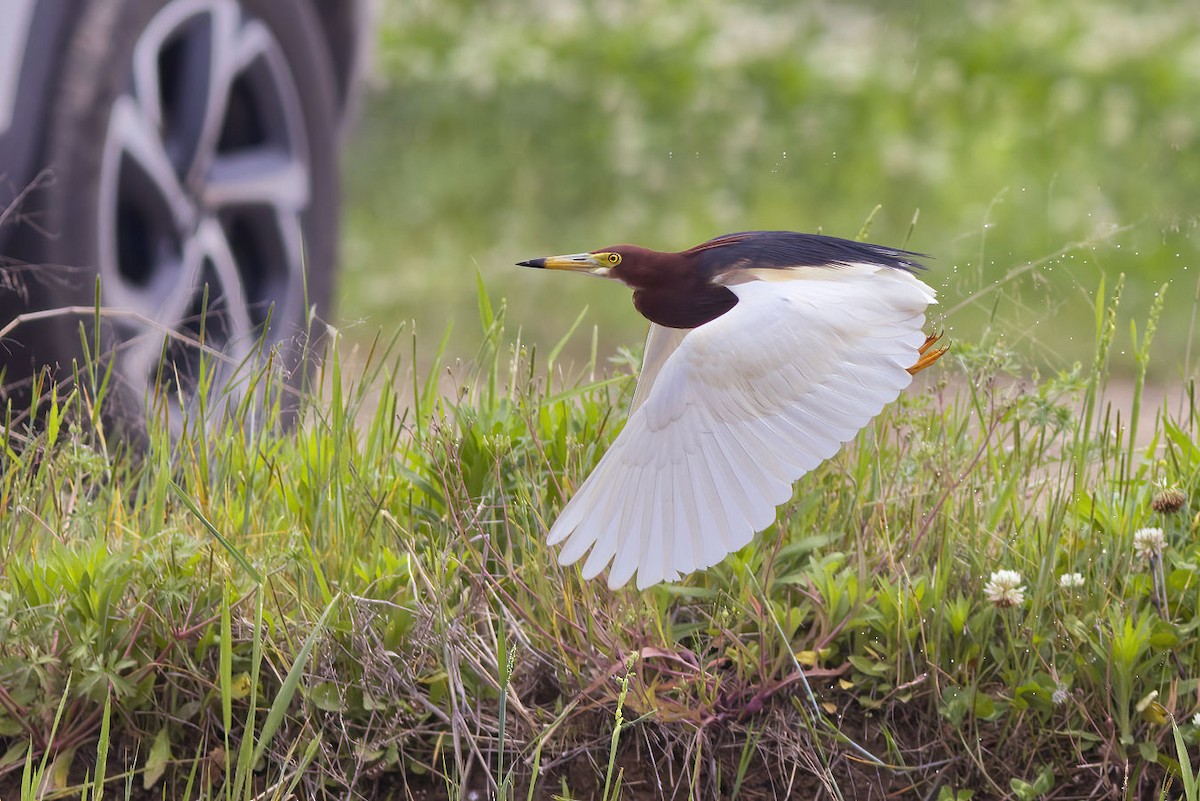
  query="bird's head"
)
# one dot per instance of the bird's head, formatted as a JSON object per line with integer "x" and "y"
{"x": 621, "y": 262}
{"x": 667, "y": 289}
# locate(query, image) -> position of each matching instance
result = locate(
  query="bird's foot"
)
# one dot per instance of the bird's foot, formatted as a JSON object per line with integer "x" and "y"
{"x": 928, "y": 354}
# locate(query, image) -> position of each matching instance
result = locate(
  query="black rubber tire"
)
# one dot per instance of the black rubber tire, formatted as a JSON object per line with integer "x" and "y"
{"x": 96, "y": 70}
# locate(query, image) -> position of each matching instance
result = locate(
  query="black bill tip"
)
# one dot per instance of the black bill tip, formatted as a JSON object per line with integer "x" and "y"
{"x": 532, "y": 263}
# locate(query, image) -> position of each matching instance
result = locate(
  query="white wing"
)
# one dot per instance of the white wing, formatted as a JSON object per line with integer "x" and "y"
{"x": 661, "y": 342}
{"x": 740, "y": 409}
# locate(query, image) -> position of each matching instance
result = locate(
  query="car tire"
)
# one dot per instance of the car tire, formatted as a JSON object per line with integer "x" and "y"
{"x": 194, "y": 144}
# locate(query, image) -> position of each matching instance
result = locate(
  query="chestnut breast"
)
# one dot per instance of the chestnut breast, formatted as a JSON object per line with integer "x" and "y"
{"x": 672, "y": 289}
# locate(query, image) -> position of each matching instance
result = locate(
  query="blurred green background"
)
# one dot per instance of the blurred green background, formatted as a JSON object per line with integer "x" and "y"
{"x": 1042, "y": 143}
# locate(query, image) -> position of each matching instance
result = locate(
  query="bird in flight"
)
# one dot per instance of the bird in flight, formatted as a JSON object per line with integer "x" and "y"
{"x": 767, "y": 351}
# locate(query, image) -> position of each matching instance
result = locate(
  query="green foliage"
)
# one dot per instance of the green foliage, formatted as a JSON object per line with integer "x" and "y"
{"x": 1041, "y": 142}
{"x": 370, "y": 594}
{"x": 1028, "y": 791}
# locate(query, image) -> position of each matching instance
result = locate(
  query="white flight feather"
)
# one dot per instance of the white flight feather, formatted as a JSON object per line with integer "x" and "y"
{"x": 727, "y": 416}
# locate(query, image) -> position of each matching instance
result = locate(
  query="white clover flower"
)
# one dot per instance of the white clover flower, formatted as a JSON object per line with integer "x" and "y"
{"x": 1149, "y": 542}
{"x": 1070, "y": 580}
{"x": 1196, "y": 719}
{"x": 1060, "y": 695}
{"x": 1004, "y": 589}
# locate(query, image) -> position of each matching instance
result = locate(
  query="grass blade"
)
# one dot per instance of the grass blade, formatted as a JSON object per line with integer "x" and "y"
{"x": 291, "y": 683}
{"x": 102, "y": 750}
{"x": 233, "y": 551}
{"x": 1190, "y": 790}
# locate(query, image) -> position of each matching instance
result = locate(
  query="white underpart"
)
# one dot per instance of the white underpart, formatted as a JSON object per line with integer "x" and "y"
{"x": 728, "y": 415}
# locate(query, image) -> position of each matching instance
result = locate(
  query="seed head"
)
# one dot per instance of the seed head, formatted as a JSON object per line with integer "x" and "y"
{"x": 1149, "y": 542}
{"x": 1168, "y": 501}
{"x": 1004, "y": 589}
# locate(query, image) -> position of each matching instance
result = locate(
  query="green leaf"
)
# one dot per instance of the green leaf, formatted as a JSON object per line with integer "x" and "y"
{"x": 958, "y": 612}
{"x": 1045, "y": 781}
{"x": 1032, "y": 694}
{"x": 53, "y": 417}
{"x": 867, "y": 666}
{"x": 950, "y": 794}
{"x": 225, "y": 669}
{"x": 239, "y": 688}
{"x": 327, "y": 697}
{"x": 954, "y": 706}
{"x": 1185, "y": 763}
{"x": 439, "y": 686}
{"x": 1163, "y": 635}
{"x": 486, "y": 316}
{"x": 985, "y": 707}
{"x": 60, "y": 769}
{"x": 157, "y": 759}
{"x": 1026, "y": 791}
{"x": 102, "y": 750}
{"x": 188, "y": 710}
{"x": 15, "y": 753}
{"x": 562, "y": 342}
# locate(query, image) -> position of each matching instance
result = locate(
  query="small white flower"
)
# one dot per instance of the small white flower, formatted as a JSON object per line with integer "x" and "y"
{"x": 1070, "y": 580}
{"x": 1196, "y": 719}
{"x": 1149, "y": 542}
{"x": 1060, "y": 695}
{"x": 1004, "y": 588}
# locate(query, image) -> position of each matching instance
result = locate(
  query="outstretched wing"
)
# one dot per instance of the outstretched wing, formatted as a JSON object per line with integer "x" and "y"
{"x": 740, "y": 409}
{"x": 661, "y": 342}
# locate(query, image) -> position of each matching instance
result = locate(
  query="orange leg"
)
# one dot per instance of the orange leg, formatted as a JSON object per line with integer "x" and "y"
{"x": 928, "y": 354}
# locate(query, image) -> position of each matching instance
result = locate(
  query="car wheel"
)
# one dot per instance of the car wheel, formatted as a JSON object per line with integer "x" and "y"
{"x": 195, "y": 145}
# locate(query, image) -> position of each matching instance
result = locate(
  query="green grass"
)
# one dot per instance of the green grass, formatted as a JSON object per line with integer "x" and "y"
{"x": 365, "y": 604}
{"x": 514, "y": 129}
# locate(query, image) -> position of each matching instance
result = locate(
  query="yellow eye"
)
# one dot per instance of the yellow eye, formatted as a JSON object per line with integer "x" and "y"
{"x": 614, "y": 259}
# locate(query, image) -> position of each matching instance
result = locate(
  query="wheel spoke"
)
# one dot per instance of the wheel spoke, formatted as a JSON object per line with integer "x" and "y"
{"x": 186, "y": 53}
{"x": 230, "y": 294}
{"x": 166, "y": 314}
{"x": 292, "y": 236}
{"x": 143, "y": 211}
{"x": 222, "y": 63}
{"x": 131, "y": 133}
{"x": 263, "y": 176}
{"x": 207, "y": 256}
{"x": 255, "y": 41}
{"x": 145, "y": 76}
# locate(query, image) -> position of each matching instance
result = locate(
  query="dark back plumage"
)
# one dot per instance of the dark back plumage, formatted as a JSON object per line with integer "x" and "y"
{"x": 690, "y": 288}
{"x": 783, "y": 249}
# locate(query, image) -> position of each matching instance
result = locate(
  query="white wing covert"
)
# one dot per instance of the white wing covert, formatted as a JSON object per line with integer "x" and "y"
{"x": 728, "y": 415}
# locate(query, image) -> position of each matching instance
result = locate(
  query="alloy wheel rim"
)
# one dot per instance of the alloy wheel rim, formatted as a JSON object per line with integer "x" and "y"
{"x": 201, "y": 204}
